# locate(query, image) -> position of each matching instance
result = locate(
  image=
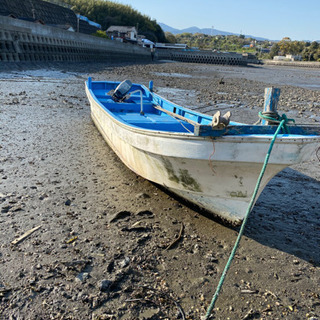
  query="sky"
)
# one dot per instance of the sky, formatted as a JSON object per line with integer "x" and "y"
{"x": 272, "y": 19}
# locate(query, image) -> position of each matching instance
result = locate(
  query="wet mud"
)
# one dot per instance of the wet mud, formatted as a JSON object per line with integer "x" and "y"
{"x": 111, "y": 245}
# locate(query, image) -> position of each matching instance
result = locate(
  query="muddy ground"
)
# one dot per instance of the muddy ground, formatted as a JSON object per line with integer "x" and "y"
{"x": 105, "y": 247}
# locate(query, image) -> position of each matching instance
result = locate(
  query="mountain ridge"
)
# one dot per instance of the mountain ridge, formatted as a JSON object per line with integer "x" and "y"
{"x": 208, "y": 31}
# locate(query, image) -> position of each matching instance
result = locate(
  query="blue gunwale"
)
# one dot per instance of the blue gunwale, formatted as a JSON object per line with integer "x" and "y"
{"x": 152, "y": 119}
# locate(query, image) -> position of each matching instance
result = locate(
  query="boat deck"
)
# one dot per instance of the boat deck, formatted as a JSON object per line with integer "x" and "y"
{"x": 155, "y": 121}
{"x": 151, "y": 118}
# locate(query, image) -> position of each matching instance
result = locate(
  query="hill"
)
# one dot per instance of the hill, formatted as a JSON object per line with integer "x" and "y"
{"x": 109, "y": 13}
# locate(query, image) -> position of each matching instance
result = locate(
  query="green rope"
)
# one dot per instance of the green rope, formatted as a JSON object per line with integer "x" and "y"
{"x": 224, "y": 273}
{"x": 278, "y": 119}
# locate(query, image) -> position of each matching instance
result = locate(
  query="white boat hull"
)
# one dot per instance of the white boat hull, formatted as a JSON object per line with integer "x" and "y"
{"x": 217, "y": 174}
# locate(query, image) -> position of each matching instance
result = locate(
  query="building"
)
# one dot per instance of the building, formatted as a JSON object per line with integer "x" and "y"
{"x": 293, "y": 57}
{"x": 288, "y": 57}
{"x": 176, "y": 46}
{"x": 123, "y": 33}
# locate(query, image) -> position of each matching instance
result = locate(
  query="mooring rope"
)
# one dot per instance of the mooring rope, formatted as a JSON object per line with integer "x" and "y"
{"x": 224, "y": 273}
{"x": 277, "y": 119}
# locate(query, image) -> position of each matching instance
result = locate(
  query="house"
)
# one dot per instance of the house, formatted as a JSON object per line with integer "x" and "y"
{"x": 293, "y": 57}
{"x": 288, "y": 57}
{"x": 122, "y": 32}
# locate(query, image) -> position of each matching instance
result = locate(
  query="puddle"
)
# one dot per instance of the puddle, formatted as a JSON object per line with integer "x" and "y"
{"x": 175, "y": 75}
{"x": 311, "y": 86}
{"x": 224, "y": 105}
{"x": 317, "y": 118}
{"x": 41, "y": 73}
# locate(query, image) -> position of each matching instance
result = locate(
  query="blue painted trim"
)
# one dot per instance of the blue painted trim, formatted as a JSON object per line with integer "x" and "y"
{"x": 155, "y": 120}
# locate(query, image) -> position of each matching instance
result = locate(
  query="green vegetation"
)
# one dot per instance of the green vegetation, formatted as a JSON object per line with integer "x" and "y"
{"x": 109, "y": 13}
{"x": 218, "y": 42}
{"x": 308, "y": 51}
{"x": 100, "y": 34}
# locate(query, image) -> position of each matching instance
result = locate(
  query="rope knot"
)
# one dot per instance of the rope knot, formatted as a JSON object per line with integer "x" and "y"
{"x": 276, "y": 118}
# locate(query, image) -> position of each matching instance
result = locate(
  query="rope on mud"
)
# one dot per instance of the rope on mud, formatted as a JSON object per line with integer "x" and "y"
{"x": 224, "y": 273}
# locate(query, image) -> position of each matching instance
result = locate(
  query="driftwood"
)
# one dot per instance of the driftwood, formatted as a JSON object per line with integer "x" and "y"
{"x": 25, "y": 235}
{"x": 177, "y": 239}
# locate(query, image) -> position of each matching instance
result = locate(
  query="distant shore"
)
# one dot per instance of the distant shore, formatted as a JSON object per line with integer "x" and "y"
{"x": 302, "y": 64}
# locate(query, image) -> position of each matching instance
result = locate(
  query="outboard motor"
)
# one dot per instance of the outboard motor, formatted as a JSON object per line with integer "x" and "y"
{"x": 121, "y": 90}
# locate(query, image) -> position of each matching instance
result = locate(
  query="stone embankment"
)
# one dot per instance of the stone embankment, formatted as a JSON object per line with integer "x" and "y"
{"x": 22, "y": 41}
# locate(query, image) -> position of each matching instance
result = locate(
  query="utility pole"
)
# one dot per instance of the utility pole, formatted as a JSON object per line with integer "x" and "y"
{"x": 78, "y": 22}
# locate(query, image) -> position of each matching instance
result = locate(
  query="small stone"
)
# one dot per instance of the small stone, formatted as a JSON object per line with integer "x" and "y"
{"x": 125, "y": 262}
{"x": 5, "y": 209}
{"x": 142, "y": 195}
{"x": 82, "y": 277}
{"x": 104, "y": 285}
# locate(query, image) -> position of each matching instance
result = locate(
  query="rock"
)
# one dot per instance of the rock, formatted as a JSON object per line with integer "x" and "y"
{"x": 110, "y": 266}
{"x": 82, "y": 277}
{"x": 124, "y": 263}
{"x": 6, "y": 209}
{"x": 120, "y": 215}
{"x": 105, "y": 285}
{"x": 145, "y": 213}
{"x": 142, "y": 195}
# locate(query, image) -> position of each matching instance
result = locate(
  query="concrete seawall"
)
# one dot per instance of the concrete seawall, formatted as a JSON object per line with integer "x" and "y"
{"x": 203, "y": 57}
{"x": 27, "y": 41}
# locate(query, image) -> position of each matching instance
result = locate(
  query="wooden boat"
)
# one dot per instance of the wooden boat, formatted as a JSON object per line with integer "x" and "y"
{"x": 210, "y": 161}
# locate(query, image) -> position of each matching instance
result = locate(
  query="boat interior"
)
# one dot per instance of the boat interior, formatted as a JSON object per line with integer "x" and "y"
{"x": 142, "y": 108}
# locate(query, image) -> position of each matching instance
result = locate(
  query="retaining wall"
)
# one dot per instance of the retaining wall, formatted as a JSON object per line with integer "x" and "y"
{"x": 26, "y": 41}
{"x": 202, "y": 57}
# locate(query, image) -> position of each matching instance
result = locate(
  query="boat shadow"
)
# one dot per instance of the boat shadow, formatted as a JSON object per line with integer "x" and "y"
{"x": 286, "y": 216}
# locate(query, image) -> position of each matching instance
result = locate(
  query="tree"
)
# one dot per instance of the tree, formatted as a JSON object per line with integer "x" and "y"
{"x": 274, "y": 50}
{"x": 109, "y": 13}
{"x": 170, "y": 37}
{"x": 314, "y": 45}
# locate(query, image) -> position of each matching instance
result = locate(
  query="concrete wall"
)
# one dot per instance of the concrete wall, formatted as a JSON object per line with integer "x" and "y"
{"x": 303, "y": 64}
{"x": 202, "y": 57}
{"x": 26, "y": 41}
